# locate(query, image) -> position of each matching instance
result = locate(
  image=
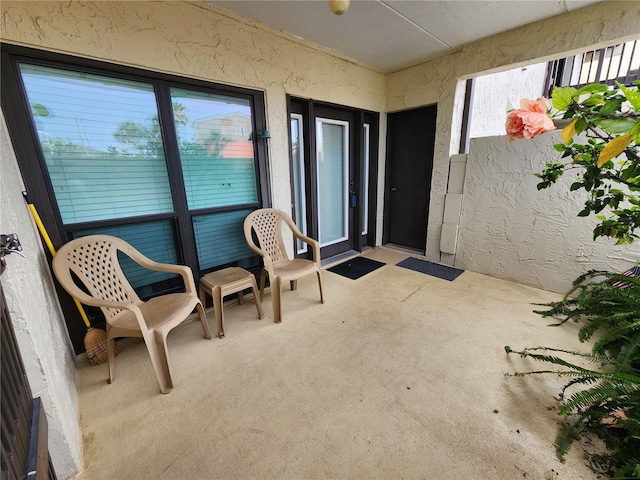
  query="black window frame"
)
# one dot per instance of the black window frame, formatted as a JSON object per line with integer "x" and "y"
{"x": 24, "y": 138}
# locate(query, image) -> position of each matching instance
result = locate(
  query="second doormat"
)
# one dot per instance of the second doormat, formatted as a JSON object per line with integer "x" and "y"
{"x": 356, "y": 267}
{"x": 430, "y": 268}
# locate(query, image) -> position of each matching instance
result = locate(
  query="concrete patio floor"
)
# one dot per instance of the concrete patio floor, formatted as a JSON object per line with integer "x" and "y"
{"x": 399, "y": 375}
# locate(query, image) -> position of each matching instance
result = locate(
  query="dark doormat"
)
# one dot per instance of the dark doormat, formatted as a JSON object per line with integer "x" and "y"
{"x": 430, "y": 268}
{"x": 356, "y": 267}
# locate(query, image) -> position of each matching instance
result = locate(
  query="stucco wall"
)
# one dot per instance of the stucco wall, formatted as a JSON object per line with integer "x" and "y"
{"x": 509, "y": 229}
{"x": 496, "y": 93}
{"x": 37, "y": 320}
{"x": 437, "y": 81}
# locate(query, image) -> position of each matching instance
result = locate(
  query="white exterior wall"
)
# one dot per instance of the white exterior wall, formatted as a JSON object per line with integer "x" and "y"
{"x": 509, "y": 229}
{"x": 495, "y": 94}
{"x": 35, "y": 313}
{"x": 437, "y": 81}
{"x": 524, "y": 235}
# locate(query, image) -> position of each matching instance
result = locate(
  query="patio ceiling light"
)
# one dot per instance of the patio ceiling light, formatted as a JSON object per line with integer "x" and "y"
{"x": 339, "y": 6}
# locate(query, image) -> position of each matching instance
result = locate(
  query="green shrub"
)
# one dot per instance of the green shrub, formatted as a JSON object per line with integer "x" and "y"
{"x": 604, "y": 399}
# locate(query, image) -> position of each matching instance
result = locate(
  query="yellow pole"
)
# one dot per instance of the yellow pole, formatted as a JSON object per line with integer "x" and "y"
{"x": 47, "y": 240}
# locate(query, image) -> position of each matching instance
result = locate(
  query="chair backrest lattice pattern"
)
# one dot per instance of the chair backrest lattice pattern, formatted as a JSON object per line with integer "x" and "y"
{"x": 265, "y": 226}
{"x": 96, "y": 264}
{"x": 268, "y": 228}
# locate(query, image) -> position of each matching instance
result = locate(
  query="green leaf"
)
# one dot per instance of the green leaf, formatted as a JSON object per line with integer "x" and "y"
{"x": 568, "y": 433}
{"x": 593, "y": 101}
{"x": 615, "y": 125}
{"x": 559, "y": 147}
{"x": 584, "y": 213}
{"x": 633, "y": 96}
{"x": 575, "y": 186}
{"x": 611, "y": 106}
{"x": 581, "y": 125}
{"x": 561, "y": 97}
{"x": 593, "y": 87}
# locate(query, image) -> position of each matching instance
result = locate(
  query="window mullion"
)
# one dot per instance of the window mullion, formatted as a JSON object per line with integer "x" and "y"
{"x": 185, "y": 235}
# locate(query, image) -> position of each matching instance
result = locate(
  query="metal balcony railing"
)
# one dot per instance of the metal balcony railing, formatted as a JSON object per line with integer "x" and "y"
{"x": 618, "y": 63}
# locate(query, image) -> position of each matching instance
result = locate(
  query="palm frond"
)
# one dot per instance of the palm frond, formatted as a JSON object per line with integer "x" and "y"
{"x": 602, "y": 359}
{"x": 606, "y": 403}
{"x": 566, "y": 436}
{"x": 597, "y": 395}
{"x": 628, "y": 356}
{"x": 615, "y": 334}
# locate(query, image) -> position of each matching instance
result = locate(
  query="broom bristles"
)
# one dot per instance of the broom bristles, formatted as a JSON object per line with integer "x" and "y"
{"x": 95, "y": 343}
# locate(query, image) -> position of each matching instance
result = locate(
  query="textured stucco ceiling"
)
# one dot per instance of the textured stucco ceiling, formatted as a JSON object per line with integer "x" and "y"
{"x": 388, "y": 34}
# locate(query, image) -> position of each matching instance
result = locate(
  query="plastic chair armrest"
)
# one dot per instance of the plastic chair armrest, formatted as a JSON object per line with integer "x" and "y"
{"x": 314, "y": 244}
{"x": 182, "y": 270}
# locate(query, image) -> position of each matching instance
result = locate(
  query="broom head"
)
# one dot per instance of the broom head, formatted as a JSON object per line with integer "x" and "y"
{"x": 95, "y": 343}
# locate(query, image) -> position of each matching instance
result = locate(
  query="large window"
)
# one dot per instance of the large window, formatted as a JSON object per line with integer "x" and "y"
{"x": 170, "y": 165}
{"x": 101, "y": 142}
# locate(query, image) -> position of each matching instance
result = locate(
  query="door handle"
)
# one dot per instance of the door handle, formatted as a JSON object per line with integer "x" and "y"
{"x": 393, "y": 189}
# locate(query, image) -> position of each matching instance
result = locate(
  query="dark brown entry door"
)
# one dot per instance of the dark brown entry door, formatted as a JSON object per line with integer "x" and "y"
{"x": 410, "y": 144}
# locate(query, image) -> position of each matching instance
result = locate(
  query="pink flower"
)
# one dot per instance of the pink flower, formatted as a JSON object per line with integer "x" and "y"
{"x": 530, "y": 120}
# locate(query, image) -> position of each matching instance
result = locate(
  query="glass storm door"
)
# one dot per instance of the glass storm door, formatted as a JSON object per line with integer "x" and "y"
{"x": 330, "y": 177}
{"x": 332, "y": 164}
{"x": 334, "y": 197}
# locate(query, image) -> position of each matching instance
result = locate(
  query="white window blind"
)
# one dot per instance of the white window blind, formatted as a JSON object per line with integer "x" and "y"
{"x": 299, "y": 192}
{"x": 216, "y": 148}
{"x": 220, "y": 238}
{"x": 332, "y": 158}
{"x": 101, "y": 141}
{"x": 364, "y": 197}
